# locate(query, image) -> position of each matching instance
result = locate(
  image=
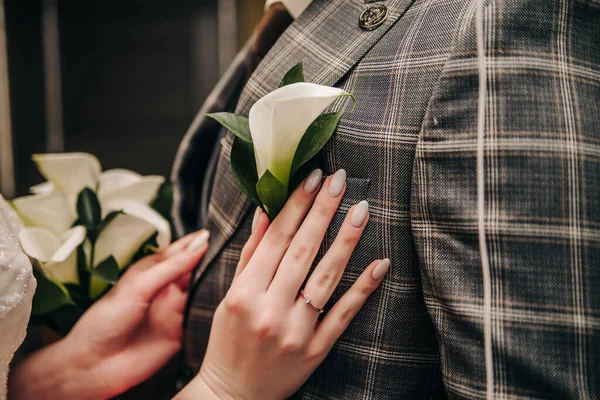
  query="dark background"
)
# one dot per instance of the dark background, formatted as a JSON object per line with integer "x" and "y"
{"x": 132, "y": 75}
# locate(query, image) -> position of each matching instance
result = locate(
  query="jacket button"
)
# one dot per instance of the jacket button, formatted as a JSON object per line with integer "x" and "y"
{"x": 373, "y": 17}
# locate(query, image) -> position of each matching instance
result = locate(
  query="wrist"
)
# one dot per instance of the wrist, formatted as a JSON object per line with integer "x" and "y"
{"x": 208, "y": 385}
{"x": 198, "y": 388}
{"x": 53, "y": 372}
{"x": 82, "y": 380}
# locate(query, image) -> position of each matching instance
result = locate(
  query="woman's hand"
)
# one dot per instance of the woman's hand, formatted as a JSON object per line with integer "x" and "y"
{"x": 266, "y": 339}
{"x": 124, "y": 338}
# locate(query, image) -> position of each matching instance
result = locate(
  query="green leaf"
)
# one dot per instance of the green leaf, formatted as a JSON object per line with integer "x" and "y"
{"x": 238, "y": 125}
{"x": 150, "y": 247}
{"x": 98, "y": 287}
{"x": 294, "y": 75}
{"x": 49, "y": 295}
{"x": 66, "y": 317}
{"x": 303, "y": 172}
{"x": 107, "y": 270}
{"x": 164, "y": 200}
{"x": 272, "y": 194}
{"x": 317, "y": 135}
{"x": 83, "y": 271}
{"x": 243, "y": 166}
{"x": 88, "y": 208}
{"x": 80, "y": 296}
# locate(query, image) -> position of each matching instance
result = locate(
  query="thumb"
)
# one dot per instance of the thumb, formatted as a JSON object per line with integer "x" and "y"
{"x": 149, "y": 283}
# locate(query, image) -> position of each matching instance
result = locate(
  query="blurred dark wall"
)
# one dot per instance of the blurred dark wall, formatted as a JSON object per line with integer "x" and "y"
{"x": 133, "y": 75}
{"x": 131, "y": 81}
{"x": 25, "y": 69}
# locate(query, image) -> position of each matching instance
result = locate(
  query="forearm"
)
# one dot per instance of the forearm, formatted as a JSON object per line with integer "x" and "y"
{"x": 53, "y": 373}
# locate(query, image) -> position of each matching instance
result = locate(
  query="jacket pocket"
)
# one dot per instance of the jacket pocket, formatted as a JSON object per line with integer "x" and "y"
{"x": 357, "y": 190}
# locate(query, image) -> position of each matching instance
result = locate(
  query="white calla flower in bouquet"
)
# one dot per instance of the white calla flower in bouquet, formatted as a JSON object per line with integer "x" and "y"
{"x": 83, "y": 227}
{"x": 277, "y": 146}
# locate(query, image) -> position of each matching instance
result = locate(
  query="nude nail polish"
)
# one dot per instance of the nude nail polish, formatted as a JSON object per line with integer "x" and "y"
{"x": 312, "y": 182}
{"x": 256, "y": 218}
{"x": 359, "y": 214}
{"x": 337, "y": 183}
{"x": 199, "y": 241}
{"x": 380, "y": 269}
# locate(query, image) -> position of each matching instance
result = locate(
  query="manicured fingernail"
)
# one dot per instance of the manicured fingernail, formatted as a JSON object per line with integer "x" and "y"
{"x": 359, "y": 214}
{"x": 337, "y": 183}
{"x": 312, "y": 182}
{"x": 380, "y": 269}
{"x": 199, "y": 241}
{"x": 256, "y": 218}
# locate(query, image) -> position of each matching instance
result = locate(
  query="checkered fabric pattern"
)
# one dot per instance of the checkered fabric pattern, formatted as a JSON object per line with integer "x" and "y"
{"x": 476, "y": 141}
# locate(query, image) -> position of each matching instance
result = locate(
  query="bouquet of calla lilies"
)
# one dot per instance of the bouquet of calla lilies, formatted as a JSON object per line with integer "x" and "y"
{"x": 277, "y": 146}
{"x": 84, "y": 227}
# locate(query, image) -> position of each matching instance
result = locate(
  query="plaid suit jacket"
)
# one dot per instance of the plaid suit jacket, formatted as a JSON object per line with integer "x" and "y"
{"x": 476, "y": 141}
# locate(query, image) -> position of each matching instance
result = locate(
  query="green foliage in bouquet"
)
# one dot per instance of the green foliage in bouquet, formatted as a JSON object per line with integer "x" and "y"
{"x": 83, "y": 228}
{"x": 59, "y": 305}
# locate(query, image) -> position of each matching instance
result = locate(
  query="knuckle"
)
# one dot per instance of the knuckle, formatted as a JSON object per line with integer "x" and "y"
{"x": 246, "y": 252}
{"x": 315, "y": 354}
{"x": 291, "y": 345}
{"x": 266, "y": 327}
{"x": 346, "y": 315}
{"x": 321, "y": 209}
{"x": 237, "y": 301}
{"x": 280, "y": 236}
{"x": 158, "y": 257}
{"x": 349, "y": 235}
{"x": 233, "y": 305}
{"x": 300, "y": 252}
{"x": 349, "y": 239}
{"x": 365, "y": 290}
{"x": 325, "y": 279}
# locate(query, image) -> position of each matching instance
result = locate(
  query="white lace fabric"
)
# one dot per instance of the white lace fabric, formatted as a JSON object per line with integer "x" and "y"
{"x": 17, "y": 286}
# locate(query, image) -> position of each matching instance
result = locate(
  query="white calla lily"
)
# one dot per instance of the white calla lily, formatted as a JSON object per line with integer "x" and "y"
{"x": 69, "y": 172}
{"x": 56, "y": 254}
{"x": 279, "y": 120}
{"x": 54, "y": 211}
{"x": 126, "y": 233}
{"x": 42, "y": 188}
{"x": 125, "y": 184}
{"x": 39, "y": 243}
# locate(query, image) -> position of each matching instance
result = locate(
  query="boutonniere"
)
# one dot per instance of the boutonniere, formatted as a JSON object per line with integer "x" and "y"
{"x": 276, "y": 147}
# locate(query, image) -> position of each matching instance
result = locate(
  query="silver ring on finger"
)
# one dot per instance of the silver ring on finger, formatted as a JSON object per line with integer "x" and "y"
{"x": 309, "y": 302}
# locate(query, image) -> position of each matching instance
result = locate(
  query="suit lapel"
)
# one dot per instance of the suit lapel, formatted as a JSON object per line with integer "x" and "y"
{"x": 328, "y": 39}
